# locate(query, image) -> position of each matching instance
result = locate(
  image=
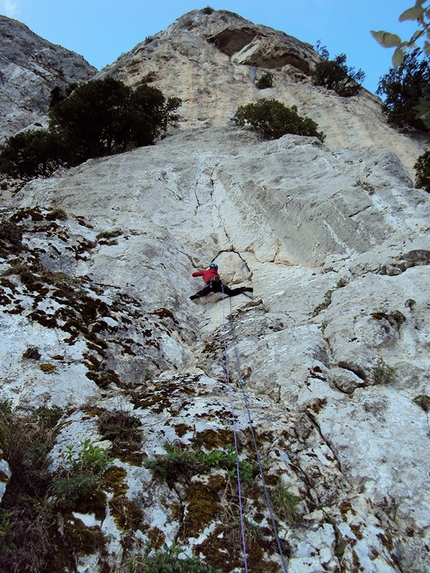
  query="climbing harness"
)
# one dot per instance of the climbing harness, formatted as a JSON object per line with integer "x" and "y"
{"x": 245, "y": 399}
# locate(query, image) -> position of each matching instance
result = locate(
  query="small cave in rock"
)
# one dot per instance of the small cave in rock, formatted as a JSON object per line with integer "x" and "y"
{"x": 280, "y": 60}
{"x": 232, "y": 41}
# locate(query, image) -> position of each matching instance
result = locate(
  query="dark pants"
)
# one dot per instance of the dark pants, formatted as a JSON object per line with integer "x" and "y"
{"x": 218, "y": 286}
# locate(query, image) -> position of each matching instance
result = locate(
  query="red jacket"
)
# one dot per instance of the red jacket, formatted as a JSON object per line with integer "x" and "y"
{"x": 208, "y": 274}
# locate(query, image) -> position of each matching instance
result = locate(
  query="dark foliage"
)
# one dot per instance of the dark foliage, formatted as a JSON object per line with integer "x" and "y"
{"x": 336, "y": 75}
{"x": 422, "y": 175}
{"x": 58, "y": 94}
{"x": 168, "y": 559}
{"x": 405, "y": 88}
{"x": 32, "y": 154}
{"x": 24, "y": 522}
{"x": 36, "y": 500}
{"x": 272, "y": 119}
{"x": 98, "y": 118}
{"x": 103, "y": 117}
{"x": 266, "y": 81}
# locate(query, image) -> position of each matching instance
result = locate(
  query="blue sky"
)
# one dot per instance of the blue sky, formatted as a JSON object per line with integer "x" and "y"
{"x": 101, "y": 30}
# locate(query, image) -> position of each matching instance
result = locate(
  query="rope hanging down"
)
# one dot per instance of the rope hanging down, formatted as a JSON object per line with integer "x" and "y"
{"x": 242, "y": 524}
{"x": 245, "y": 399}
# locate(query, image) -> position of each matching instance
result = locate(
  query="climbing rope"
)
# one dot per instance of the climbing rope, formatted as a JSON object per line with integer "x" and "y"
{"x": 242, "y": 524}
{"x": 245, "y": 399}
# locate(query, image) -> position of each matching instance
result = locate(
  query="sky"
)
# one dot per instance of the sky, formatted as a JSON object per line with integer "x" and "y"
{"x": 102, "y": 30}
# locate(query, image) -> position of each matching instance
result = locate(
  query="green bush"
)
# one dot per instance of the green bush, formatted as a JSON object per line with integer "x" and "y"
{"x": 98, "y": 118}
{"x": 109, "y": 234}
{"x": 325, "y": 304}
{"x": 35, "y": 498}
{"x": 336, "y": 75}
{"x": 272, "y": 119}
{"x": 383, "y": 373}
{"x": 69, "y": 490}
{"x": 284, "y": 502}
{"x": 47, "y": 416}
{"x": 175, "y": 463}
{"x": 79, "y": 477}
{"x": 266, "y": 81}
{"x": 226, "y": 460}
{"x": 178, "y": 462}
{"x": 32, "y": 154}
{"x": 6, "y": 529}
{"x": 423, "y": 401}
{"x": 5, "y": 407}
{"x": 168, "y": 560}
{"x": 422, "y": 172}
{"x": 405, "y": 90}
{"x": 125, "y": 433}
{"x": 89, "y": 459}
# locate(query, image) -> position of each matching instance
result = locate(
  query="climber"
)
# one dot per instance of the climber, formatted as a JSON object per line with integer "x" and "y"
{"x": 213, "y": 283}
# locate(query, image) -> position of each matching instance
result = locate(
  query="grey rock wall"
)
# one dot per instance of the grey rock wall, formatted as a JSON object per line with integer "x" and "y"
{"x": 332, "y": 349}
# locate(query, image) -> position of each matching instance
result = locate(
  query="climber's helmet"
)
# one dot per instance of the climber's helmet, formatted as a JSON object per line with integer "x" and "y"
{"x": 213, "y": 266}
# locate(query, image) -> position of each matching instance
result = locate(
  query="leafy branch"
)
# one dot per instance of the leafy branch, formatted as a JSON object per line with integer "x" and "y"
{"x": 421, "y": 15}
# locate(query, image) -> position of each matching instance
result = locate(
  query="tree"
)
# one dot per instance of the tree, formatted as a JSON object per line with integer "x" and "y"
{"x": 98, "y": 118}
{"x": 150, "y": 114}
{"x": 272, "y": 119}
{"x": 422, "y": 168}
{"x": 403, "y": 88}
{"x": 59, "y": 94}
{"x": 336, "y": 75}
{"x": 421, "y": 15}
{"x": 102, "y": 117}
{"x": 32, "y": 154}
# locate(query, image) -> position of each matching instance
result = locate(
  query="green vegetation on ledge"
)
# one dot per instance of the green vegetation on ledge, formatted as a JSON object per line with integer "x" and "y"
{"x": 272, "y": 119}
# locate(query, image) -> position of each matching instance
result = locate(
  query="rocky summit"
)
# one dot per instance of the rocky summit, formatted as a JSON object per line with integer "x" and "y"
{"x": 283, "y": 431}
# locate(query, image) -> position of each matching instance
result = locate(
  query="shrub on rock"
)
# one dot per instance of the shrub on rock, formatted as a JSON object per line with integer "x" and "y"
{"x": 422, "y": 172}
{"x": 336, "y": 75}
{"x": 266, "y": 81}
{"x": 272, "y": 119}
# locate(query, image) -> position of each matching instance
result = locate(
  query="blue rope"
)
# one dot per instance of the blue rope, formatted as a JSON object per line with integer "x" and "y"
{"x": 266, "y": 494}
{"x": 235, "y": 436}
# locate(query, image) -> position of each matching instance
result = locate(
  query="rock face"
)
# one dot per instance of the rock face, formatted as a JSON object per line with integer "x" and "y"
{"x": 214, "y": 60}
{"x": 29, "y": 68}
{"x": 332, "y": 349}
{"x": 323, "y": 373}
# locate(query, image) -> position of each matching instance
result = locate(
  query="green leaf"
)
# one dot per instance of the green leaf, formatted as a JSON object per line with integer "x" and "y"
{"x": 411, "y": 13}
{"x": 398, "y": 57}
{"x": 386, "y": 39}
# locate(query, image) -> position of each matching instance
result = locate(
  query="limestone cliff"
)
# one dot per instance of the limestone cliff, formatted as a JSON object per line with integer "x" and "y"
{"x": 325, "y": 371}
{"x": 214, "y": 60}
